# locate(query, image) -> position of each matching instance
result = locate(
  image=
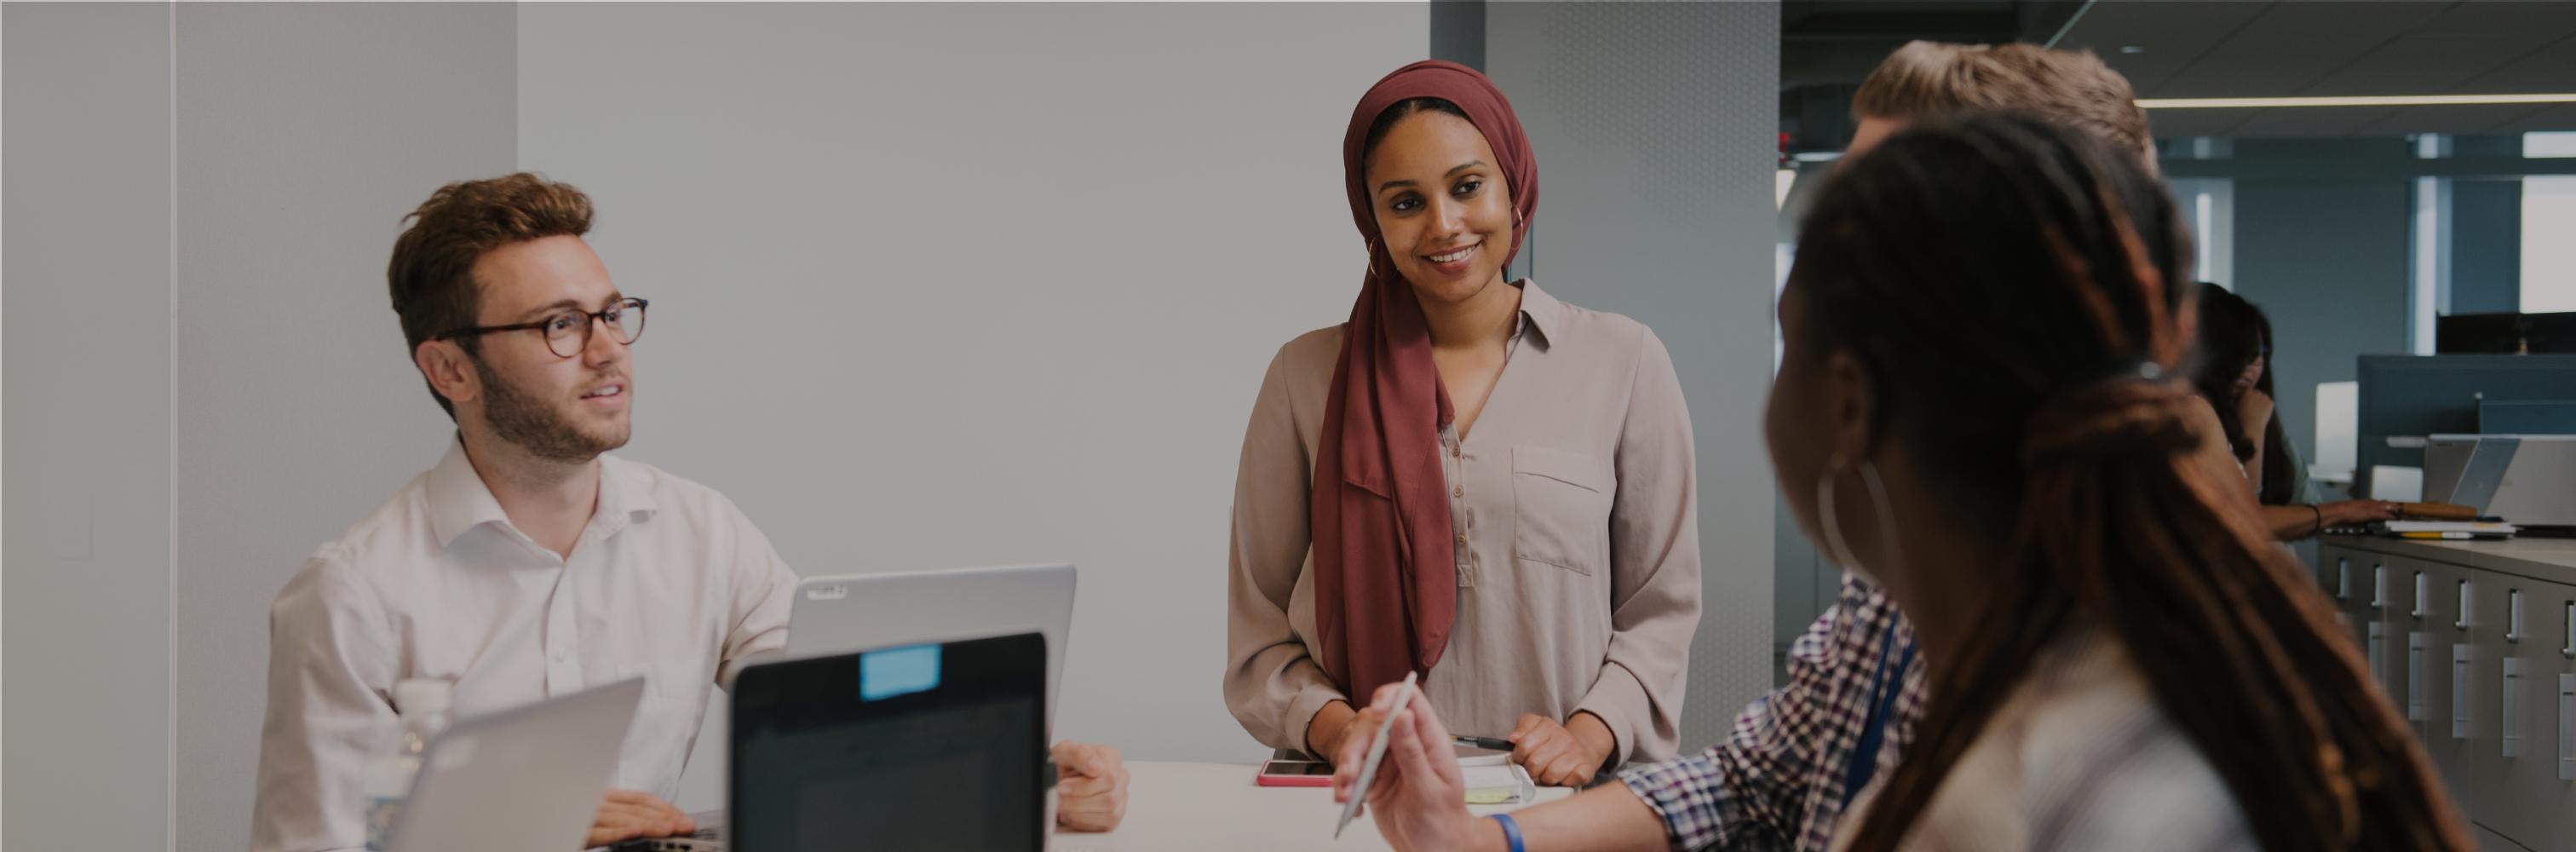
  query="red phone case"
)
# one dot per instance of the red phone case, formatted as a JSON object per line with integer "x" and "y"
{"x": 1268, "y": 780}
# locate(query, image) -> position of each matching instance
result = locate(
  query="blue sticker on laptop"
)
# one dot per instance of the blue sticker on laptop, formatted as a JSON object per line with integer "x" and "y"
{"x": 898, "y": 671}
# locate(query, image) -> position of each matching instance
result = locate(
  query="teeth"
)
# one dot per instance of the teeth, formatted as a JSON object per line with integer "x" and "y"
{"x": 1451, "y": 256}
{"x": 611, "y": 390}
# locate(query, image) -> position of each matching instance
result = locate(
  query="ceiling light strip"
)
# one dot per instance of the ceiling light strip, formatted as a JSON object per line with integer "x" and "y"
{"x": 2356, "y": 101}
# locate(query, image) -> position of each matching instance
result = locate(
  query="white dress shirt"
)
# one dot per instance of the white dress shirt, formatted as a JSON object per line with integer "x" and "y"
{"x": 668, "y": 582}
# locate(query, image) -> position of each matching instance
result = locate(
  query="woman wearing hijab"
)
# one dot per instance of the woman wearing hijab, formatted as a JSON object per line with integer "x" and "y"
{"x": 1470, "y": 480}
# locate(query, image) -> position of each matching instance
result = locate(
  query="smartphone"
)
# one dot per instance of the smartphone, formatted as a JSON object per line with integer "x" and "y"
{"x": 1295, "y": 773}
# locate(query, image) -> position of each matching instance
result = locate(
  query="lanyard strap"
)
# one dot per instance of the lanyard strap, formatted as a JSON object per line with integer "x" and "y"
{"x": 1884, "y": 688}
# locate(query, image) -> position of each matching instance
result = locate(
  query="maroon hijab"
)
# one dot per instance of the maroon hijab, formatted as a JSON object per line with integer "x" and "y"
{"x": 1386, "y": 585}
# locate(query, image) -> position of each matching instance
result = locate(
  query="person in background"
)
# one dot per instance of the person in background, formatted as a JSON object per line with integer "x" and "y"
{"x": 1469, "y": 480}
{"x": 2234, "y": 372}
{"x": 1981, "y": 406}
{"x": 529, "y": 563}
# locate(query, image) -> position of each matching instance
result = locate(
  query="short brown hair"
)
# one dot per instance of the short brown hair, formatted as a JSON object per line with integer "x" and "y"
{"x": 1930, "y": 78}
{"x": 431, "y": 272}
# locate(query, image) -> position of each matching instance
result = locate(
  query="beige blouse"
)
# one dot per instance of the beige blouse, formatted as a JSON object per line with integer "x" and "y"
{"x": 2079, "y": 756}
{"x": 1575, "y": 505}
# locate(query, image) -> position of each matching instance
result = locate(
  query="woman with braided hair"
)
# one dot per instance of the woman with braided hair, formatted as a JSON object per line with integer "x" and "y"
{"x": 1980, "y": 406}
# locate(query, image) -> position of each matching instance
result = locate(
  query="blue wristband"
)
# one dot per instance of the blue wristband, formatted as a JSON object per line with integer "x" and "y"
{"x": 1511, "y": 832}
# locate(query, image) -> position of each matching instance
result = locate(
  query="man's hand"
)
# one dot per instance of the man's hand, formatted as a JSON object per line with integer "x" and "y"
{"x": 1090, "y": 787}
{"x": 628, "y": 815}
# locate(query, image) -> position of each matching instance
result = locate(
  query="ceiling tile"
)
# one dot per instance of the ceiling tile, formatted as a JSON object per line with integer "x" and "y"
{"x": 2506, "y": 16}
{"x": 2186, "y": 123}
{"x": 2311, "y": 122}
{"x": 2171, "y": 34}
{"x": 2295, "y": 44}
{"x": 2555, "y": 117}
{"x": 2429, "y": 63}
{"x": 2471, "y": 120}
{"x": 2551, "y": 68}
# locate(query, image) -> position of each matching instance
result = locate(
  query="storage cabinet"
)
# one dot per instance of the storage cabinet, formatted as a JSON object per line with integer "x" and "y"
{"x": 2474, "y": 644}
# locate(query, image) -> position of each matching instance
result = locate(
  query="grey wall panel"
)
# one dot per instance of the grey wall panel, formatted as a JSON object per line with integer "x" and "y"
{"x": 88, "y": 419}
{"x": 1653, "y": 125}
{"x": 1015, "y": 312}
{"x": 306, "y": 132}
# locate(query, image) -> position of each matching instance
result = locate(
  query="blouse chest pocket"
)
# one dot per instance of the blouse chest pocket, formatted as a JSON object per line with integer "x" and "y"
{"x": 1561, "y": 508}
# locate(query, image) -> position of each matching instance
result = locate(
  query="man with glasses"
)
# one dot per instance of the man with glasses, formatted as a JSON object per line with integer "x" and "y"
{"x": 529, "y": 564}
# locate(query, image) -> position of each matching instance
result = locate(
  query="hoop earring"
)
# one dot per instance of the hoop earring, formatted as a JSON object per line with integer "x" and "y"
{"x": 1829, "y": 515}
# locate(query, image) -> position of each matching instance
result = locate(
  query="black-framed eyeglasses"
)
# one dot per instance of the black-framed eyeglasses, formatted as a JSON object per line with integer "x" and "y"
{"x": 568, "y": 333}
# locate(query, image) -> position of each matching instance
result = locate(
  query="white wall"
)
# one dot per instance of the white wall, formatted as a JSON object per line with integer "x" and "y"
{"x": 305, "y": 132}
{"x": 940, "y": 286}
{"x": 88, "y": 457}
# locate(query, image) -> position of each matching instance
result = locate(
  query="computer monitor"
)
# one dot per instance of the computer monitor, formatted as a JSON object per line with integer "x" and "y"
{"x": 2528, "y": 416}
{"x": 2411, "y": 397}
{"x": 924, "y": 747}
{"x": 2505, "y": 334}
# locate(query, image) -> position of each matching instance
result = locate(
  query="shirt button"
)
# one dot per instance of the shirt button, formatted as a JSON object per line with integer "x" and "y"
{"x": 1462, "y": 539}
{"x": 1453, "y": 452}
{"x": 1460, "y": 491}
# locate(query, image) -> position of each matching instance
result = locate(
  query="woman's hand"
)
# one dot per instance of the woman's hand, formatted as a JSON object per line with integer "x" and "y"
{"x": 2254, "y": 413}
{"x": 1417, "y": 796}
{"x": 2353, "y": 513}
{"x": 1561, "y": 755}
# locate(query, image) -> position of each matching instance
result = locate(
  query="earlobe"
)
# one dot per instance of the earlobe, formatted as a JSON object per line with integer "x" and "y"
{"x": 444, "y": 365}
{"x": 1854, "y": 405}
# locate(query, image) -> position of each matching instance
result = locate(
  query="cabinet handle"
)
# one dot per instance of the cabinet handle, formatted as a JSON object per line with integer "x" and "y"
{"x": 2423, "y": 591}
{"x": 2513, "y": 615}
{"x": 2569, "y": 650}
{"x": 2463, "y": 622}
{"x": 2343, "y": 579}
{"x": 2379, "y": 586}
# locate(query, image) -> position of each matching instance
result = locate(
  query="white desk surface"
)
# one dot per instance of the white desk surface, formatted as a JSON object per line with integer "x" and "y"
{"x": 1215, "y": 807}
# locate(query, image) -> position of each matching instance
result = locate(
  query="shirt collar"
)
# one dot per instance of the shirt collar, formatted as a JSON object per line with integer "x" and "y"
{"x": 459, "y": 501}
{"x": 1540, "y": 311}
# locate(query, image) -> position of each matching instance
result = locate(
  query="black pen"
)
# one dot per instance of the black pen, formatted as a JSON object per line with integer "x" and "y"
{"x": 1486, "y": 743}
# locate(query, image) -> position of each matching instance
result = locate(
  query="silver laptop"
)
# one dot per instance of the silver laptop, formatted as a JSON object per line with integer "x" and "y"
{"x": 524, "y": 779}
{"x": 2524, "y": 479}
{"x": 857, "y": 612}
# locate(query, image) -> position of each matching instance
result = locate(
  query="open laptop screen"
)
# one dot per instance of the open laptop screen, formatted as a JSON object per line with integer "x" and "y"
{"x": 928, "y": 747}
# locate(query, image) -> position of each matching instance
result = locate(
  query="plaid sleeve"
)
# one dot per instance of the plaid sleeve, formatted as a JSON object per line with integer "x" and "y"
{"x": 1748, "y": 792}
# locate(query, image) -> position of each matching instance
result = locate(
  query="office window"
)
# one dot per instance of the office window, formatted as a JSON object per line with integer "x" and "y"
{"x": 2209, "y": 207}
{"x": 2548, "y": 216}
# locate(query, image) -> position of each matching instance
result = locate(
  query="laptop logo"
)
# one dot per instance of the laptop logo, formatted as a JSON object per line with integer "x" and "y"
{"x": 832, "y": 592}
{"x": 898, "y": 671}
